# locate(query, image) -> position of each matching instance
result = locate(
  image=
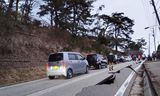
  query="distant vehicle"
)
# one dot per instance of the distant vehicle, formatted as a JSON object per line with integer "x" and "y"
{"x": 97, "y": 61}
{"x": 128, "y": 58}
{"x": 143, "y": 57}
{"x": 66, "y": 64}
{"x": 121, "y": 59}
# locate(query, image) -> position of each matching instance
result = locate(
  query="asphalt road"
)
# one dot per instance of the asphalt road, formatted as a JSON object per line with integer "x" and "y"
{"x": 107, "y": 89}
{"x": 78, "y": 85}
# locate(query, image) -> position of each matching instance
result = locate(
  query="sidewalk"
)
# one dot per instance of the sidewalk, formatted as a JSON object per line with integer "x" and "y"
{"x": 153, "y": 68}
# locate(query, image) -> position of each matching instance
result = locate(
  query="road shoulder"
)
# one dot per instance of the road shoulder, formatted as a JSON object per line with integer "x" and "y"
{"x": 153, "y": 68}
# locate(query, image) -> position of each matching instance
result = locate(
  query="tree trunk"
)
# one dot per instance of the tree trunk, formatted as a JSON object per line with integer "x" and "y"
{"x": 25, "y": 13}
{"x": 74, "y": 19}
{"x": 116, "y": 46}
{"x": 56, "y": 19}
{"x": 116, "y": 37}
{"x": 17, "y": 1}
{"x": 10, "y": 7}
{"x": 51, "y": 21}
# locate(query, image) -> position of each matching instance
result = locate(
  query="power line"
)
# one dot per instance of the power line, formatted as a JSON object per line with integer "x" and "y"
{"x": 146, "y": 11}
{"x": 157, "y": 2}
{"x": 153, "y": 4}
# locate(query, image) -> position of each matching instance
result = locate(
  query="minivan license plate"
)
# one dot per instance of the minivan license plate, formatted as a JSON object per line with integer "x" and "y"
{"x": 55, "y": 67}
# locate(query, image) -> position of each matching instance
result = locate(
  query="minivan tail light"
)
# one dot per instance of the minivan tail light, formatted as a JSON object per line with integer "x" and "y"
{"x": 63, "y": 64}
{"x": 46, "y": 66}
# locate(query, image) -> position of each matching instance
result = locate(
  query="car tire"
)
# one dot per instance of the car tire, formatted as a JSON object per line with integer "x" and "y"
{"x": 51, "y": 77}
{"x": 69, "y": 74}
{"x": 87, "y": 70}
{"x": 96, "y": 67}
{"x": 104, "y": 65}
{"x": 99, "y": 66}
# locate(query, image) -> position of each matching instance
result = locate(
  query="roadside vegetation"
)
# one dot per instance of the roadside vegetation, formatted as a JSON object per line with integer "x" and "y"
{"x": 26, "y": 41}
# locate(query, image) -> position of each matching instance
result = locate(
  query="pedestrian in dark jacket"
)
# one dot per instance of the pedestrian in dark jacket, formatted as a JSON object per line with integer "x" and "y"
{"x": 110, "y": 58}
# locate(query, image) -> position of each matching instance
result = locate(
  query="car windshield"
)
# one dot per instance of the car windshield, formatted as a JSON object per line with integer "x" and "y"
{"x": 92, "y": 56}
{"x": 55, "y": 57}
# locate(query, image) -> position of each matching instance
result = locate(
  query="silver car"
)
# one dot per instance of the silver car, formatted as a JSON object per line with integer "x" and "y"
{"x": 66, "y": 64}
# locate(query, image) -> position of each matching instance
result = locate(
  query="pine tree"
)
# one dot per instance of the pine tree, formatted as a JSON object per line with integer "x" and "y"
{"x": 54, "y": 8}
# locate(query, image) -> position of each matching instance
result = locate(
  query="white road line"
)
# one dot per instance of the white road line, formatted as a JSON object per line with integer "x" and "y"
{"x": 21, "y": 84}
{"x": 39, "y": 93}
{"x": 124, "y": 86}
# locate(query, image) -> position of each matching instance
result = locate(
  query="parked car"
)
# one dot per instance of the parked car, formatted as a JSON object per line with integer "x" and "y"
{"x": 97, "y": 61}
{"x": 121, "y": 59}
{"x": 128, "y": 58}
{"x": 66, "y": 64}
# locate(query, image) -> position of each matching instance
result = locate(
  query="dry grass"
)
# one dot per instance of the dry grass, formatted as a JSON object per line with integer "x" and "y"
{"x": 16, "y": 72}
{"x": 23, "y": 54}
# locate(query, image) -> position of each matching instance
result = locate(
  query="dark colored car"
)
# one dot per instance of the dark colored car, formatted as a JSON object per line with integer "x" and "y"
{"x": 121, "y": 59}
{"x": 97, "y": 61}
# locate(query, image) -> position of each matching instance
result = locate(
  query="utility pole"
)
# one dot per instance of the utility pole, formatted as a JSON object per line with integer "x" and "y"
{"x": 149, "y": 46}
{"x": 154, "y": 40}
{"x": 153, "y": 3}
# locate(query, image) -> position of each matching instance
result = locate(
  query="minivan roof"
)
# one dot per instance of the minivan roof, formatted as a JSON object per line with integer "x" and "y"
{"x": 67, "y": 52}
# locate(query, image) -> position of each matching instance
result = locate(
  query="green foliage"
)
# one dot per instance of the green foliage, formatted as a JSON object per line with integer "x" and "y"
{"x": 104, "y": 40}
{"x": 117, "y": 27}
{"x": 141, "y": 42}
{"x": 121, "y": 28}
{"x": 67, "y": 49}
{"x": 99, "y": 48}
{"x": 2, "y": 7}
{"x": 137, "y": 46}
{"x": 78, "y": 16}
{"x": 134, "y": 46}
{"x": 55, "y": 9}
{"x": 71, "y": 15}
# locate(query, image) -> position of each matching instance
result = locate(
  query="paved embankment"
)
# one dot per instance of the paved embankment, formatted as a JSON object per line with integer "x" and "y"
{"x": 147, "y": 82}
{"x": 153, "y": 73}
{"x": 137, "y": 87}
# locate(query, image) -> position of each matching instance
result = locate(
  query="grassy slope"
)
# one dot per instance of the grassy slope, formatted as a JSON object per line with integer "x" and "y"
{"x": 23, "y": 54}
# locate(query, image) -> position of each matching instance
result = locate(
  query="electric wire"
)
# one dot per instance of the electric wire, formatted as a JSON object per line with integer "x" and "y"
{"x": 157, "y": 2}
{"x": 146, "y": 11}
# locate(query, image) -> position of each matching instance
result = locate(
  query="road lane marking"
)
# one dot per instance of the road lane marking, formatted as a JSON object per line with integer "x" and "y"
{"x": 21, "y": 84}
{"x": 124, "y": 86}
{"x": 39, "y": 93}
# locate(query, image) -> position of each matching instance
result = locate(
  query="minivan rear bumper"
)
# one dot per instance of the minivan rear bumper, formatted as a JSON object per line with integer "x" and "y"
{"x": 56, "y": 72}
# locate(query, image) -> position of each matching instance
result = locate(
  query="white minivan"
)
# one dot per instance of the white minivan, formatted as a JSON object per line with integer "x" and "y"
{"x": 66, "y": 64}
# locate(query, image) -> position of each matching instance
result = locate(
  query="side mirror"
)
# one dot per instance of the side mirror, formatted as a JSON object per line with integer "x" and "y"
{"x": 83, "y": 58}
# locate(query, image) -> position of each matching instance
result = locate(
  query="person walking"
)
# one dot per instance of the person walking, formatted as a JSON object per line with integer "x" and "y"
{"x": 110, "y": 58}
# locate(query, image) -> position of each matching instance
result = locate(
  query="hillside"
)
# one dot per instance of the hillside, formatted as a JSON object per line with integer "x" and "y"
{"x": 23, "y": 55}
{"x": 28, "y": 35}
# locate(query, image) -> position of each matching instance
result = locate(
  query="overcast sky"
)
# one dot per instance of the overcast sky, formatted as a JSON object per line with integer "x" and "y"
{"x": 141, "y": 11}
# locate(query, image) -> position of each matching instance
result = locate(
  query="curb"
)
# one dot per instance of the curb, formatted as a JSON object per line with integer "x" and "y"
{"x": 149, "y": 89}
{"x": 123, "y": 90}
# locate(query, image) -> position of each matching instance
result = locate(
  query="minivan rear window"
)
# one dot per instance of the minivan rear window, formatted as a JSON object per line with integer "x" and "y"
{"x": 55, "y": 57}
{"x": 93, "y": 56}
